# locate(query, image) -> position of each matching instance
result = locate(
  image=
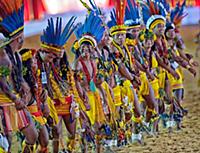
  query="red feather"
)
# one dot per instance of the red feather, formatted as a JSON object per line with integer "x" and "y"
{"x": 7, "y": 7}
{"x": 120, "y": 6}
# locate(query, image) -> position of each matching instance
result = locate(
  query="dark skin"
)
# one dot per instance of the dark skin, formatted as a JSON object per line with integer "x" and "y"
{"x": 70, "y": 125}
{"x": 120, "y": 40}
{"x": 149, "y": 99}
{"x": 183, "y": 62}
{"x": 43, "y": 136}
{"x": 83, "y": 86}
{"x": 29, "y": 131}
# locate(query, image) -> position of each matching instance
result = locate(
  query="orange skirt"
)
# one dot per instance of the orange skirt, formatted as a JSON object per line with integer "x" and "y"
{"x": 13, "y": 119}
{"x": 63, "y": 109}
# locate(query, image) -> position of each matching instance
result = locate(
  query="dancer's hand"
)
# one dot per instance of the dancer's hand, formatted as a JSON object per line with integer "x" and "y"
{"x": 24, "y": 88}
{"x": 19, "y": 104}
{"x": 193, "y": 71}
{"x": 150, "y": 76}
{"x": 194, "y": 63}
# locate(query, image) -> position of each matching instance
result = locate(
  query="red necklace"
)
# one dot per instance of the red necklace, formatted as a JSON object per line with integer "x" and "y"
{"x": 86, "y": 71}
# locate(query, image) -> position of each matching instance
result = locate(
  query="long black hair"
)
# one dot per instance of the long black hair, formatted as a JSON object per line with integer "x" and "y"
{"x": 27, "y": 71}
{"x": 64, "y": 66}
{"x": 16, "y": 73}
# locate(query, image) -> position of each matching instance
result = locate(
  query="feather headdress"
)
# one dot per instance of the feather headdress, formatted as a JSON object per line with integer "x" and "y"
{"x": 11, "y": 17}
{"x": 54, "y": 38}
{"x": 177, "y": 14}
{"x": 91, "y": 31}
{"x": 154, "y": 12}
{"x": 116, "y": 24}
{"x": 132, "y": 14}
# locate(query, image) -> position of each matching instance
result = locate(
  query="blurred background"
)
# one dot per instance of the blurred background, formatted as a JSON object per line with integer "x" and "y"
{"x": 38, "y": 11}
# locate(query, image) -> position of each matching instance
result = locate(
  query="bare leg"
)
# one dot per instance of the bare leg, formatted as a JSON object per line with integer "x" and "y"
{"x": 152, "y": 105}
{"x": 56, "y": 133}
{"x": 31, "y": 136}
{"x": 137, "y": 111}
{"x": 43, "y": 139}
{"x": 71, "y": 127}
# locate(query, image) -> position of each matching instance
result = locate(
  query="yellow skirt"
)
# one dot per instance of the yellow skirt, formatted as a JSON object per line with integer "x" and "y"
{"x": 95, "y": 114}
{"x": 117, "y": 96}
{"x": 144, "y": 87}
{"x": 111, "y": 103}
{"x": 176, "y": 83}
{"x": 53, "y": 111}
{"x": 128, "y": 91}
{"x": 155, "y": 86}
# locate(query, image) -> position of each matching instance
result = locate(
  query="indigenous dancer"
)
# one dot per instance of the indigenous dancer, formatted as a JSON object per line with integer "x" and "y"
{"x": 126, "y": 73}
{"x": 36, "y": 102}
{"x": 176, "y": 62}
{"x": 14, "y": 114}
{"x": 176, "y": 16}
{"x": 104, "y": 75}
{"x": 52, "y": 47}
{"x": 88, "y": 35}
{"x": 146, "y": 92}
{"x": 154, "y": 13}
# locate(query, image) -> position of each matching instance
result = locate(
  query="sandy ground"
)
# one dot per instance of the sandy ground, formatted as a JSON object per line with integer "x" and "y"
{"x": 188, "y": 139}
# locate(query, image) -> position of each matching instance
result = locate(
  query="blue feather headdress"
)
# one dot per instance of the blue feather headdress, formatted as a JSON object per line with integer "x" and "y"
{"x": 154, "y": 12}
{"x": 91, "y": 31}
{"x": 177, "y": 14}
{"x": 11, "y": 17}
{"x": 54, "y": 38}
{"x": 132, "y": 14}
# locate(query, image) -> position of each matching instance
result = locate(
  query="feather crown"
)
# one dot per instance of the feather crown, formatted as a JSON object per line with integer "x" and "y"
{"x": 154, "y": 12}
{"x": 177, "y": 14}
{"x": 11, "y": 17}
{"x": 116, "y": 24}
{"x": 54, "y": 38}
{"x": 132, "y": 14}
{"x": 91, "y": 30}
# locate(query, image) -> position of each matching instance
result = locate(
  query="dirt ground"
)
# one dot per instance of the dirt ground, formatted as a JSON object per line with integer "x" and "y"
{"x": 188, "y": 139}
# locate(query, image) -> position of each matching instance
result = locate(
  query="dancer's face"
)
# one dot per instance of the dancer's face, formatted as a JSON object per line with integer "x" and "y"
{"x": 148, "y": 43}
{"x": 119, "y": 38}
{"x": 86, "y": 50}
{"x": 34, "y": 64}
{"x": 159, "y": 29}
{"x": 106, "y": 37}
{"x": 171, "y": 34}
{"x": 134, "y": 31}
{"x": 17, "y": 42}
{"x": 50, "y": 56}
